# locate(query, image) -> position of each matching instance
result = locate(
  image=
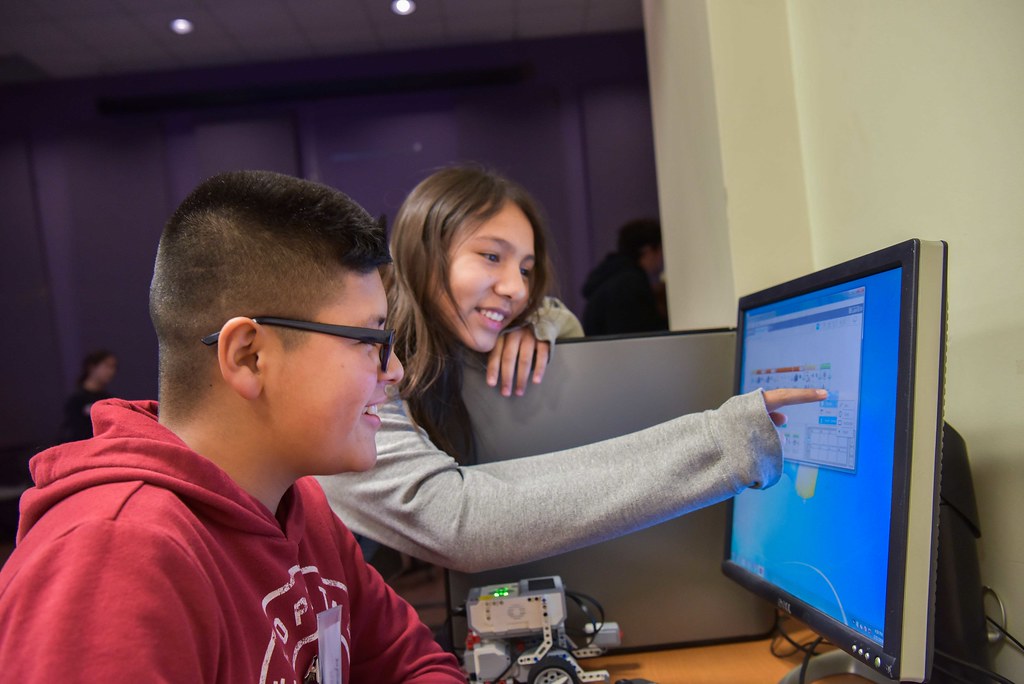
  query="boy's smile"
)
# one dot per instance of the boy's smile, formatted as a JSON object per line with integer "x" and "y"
{"x": 324, "y": 398}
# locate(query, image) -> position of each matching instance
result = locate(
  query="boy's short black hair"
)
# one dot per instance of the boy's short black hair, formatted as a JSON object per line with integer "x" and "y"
{"x": 250, "y": 243}
{"x": 637, "y": 234}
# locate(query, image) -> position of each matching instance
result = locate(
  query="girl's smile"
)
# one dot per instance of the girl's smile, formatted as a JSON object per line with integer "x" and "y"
{"x": 489, "y": 278}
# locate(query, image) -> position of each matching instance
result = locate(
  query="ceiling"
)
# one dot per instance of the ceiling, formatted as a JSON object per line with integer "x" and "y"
{"x": 60, "y": 39}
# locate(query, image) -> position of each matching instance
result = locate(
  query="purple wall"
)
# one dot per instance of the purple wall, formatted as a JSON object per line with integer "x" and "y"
{"x": 92, "y": 169}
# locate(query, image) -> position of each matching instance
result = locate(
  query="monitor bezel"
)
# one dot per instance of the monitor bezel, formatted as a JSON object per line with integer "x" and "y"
{"x": 909, "y": 611}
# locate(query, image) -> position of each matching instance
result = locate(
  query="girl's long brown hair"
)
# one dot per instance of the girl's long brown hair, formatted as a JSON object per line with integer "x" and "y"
{"x": 441, "y": 211}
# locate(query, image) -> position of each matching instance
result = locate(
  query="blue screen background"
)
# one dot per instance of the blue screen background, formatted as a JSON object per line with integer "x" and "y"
{"x": 831, "y": 550}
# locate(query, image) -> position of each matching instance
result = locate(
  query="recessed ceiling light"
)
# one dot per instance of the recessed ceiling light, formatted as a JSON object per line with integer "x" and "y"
{"x": 181, "y": 26}
{"x": 403, "y": 7}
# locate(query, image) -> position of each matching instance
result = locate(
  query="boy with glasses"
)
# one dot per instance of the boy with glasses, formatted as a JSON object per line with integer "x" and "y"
{"x": 184, "y": 542}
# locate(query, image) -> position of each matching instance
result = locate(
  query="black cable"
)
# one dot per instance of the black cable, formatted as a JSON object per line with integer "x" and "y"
{"x": 593, "y": 601}
{"x": 773, "y": 649}
{"x": 781, "y": 632}
{"x": 583, "y": 632}
{"x": 1002, "y": 630}
{"x": 808, "y": 654}
{"x": 971, "y": 666}
{"x": 782, "y": 635}
{"x": 595, "y": 625}
{"x": 809, "y": 649}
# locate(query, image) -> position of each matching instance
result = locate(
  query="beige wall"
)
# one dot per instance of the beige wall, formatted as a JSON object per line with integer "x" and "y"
{"x": 691, "y": 192}
{"x": 843, "y": 127}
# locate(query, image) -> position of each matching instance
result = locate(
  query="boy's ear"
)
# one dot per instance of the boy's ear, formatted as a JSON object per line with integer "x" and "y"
{"x": 238, "y": 355}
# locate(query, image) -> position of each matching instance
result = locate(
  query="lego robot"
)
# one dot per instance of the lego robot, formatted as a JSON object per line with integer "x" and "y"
{"x": 517, "y": 634}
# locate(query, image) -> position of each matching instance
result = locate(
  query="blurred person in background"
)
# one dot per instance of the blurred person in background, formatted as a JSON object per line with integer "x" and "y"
{"x": 625, "y": 293}
{"x": 98, "y": 369}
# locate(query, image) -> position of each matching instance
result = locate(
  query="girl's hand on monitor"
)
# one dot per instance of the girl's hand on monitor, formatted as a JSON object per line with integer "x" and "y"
{"x": 517, "y": 353}
{"x": 776, "y": 399}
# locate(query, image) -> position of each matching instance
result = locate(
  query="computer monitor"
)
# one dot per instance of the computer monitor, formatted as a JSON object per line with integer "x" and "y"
{"x": 846, "y": 540}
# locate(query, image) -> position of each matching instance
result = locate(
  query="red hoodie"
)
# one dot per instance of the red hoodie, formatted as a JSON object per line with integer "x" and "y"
{"x": 138, "y": 560}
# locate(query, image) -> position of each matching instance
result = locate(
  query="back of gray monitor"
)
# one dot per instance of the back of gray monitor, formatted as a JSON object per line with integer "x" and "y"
{"x": 663, "y": 585}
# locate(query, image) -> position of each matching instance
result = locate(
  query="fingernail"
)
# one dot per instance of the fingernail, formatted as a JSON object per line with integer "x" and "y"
{"x": 823, "y": 393}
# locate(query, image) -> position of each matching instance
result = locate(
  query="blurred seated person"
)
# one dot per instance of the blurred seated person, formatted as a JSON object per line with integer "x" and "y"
{"x": 98, "y": 369}
{"x": 624, "y": 292}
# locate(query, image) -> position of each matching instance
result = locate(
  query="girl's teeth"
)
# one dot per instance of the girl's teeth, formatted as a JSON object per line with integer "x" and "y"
{"x": 494, "y": 316}
{"x": 372, "y": 410}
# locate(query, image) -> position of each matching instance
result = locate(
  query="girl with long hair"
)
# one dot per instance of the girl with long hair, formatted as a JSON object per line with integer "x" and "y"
{"x": 470, "y": 263}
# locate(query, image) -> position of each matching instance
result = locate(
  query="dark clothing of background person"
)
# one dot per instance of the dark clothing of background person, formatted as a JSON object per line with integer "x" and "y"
{"x": 77, "y": 422}
{"x": 620, "y": 299}
{"x": 98, "y": 368}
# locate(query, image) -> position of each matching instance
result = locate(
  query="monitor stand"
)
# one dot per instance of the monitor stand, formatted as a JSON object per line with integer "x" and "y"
{"x": 833, "y": 663}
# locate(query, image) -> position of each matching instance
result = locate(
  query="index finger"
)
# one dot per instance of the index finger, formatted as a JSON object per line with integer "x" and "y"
{"x": 526, "y": 350}
{"x": 507, "y": 358}
{"x": 777, "y": 398}
{"x": 494, "y": 362}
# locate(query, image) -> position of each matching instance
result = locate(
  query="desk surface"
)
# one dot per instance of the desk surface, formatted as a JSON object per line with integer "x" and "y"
{"x": 749, "y": 662}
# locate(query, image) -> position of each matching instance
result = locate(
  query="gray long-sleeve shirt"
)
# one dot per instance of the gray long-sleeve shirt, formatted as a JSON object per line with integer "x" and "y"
{"x": 418, "y": 500}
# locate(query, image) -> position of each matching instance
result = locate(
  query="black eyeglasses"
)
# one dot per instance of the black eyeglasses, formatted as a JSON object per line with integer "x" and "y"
{"x": 385, "y": 338}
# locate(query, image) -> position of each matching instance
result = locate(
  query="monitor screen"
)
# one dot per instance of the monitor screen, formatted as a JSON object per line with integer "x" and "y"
{"x": 845, "y": 540}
